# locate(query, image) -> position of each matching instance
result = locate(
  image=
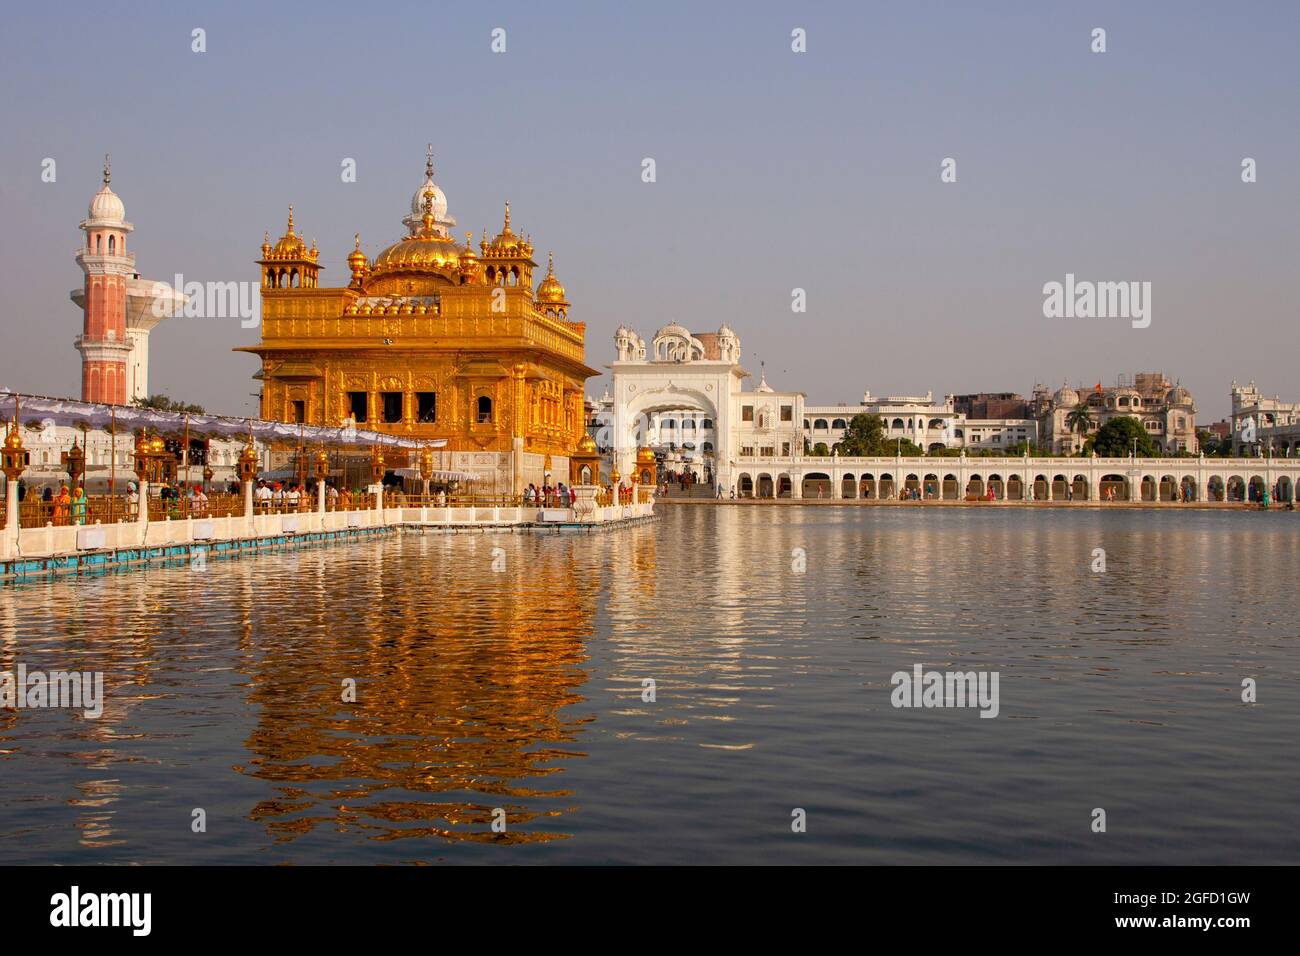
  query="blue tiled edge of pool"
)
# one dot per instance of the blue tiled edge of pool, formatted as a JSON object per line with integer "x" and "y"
{"x": 98, "y": 562}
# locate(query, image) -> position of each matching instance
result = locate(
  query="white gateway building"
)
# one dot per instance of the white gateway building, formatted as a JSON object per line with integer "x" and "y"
{"x": 684, "y": 396}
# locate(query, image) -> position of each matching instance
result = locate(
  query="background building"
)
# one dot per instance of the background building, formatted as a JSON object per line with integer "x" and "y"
{"x": 684, "y": 396}
{"x": 1165, "y": 409}
{"x": 1275, "y": 423}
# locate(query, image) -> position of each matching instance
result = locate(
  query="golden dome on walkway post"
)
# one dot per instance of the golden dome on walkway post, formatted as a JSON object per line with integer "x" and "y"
{"x": 75, "y": 460}
{"x": 247, "y": 464}
{"x": 143, "y": 452}
{"x": 584, "y": 463}
{"x": 377, "y": 469}
{"x": 15, "y": 456}
{"x": 646, "y": 465}
{"x": 14, "y": 459}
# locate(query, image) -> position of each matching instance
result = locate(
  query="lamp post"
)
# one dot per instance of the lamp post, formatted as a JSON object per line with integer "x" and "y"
{"x": 143, "y": 454}
{"x": 15, "y": 462}
{"x": 322, "y": 473}
{"x": 74, "y": 460}
{"x": 426, "y": 469}
{"x": 377, "y": 473}
{"x": 246, "y": 468}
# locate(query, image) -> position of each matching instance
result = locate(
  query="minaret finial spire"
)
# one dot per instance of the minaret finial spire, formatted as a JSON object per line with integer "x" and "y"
{"x": 428, "y": 161}
{"x": 108, "y": 170}
{"x": 290, "y": 219}
{"x": 507, "y": 215}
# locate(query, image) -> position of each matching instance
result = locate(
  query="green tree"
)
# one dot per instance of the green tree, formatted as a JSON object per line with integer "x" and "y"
{"x": 162, "y": 403}
{"x": 1079, "y": 420}
{"x": 1027, "y": 448}
{"x": 864, "y": 438}
{"x": 1116, "y": 439}
{"x": 1212, "y": 445}
{"x": 820, "y": 450}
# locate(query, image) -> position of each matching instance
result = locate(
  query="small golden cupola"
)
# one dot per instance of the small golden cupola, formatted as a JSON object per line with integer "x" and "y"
{"x": 289, "y": 264}
{"x": 358, "y": 264}
{"x": 550, "y": 294}
{"x": 469, "y": 264}
{"x": 508, "y": 259}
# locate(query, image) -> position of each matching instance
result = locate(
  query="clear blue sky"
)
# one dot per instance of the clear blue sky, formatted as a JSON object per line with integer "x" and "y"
{"x": 775, "y": 170}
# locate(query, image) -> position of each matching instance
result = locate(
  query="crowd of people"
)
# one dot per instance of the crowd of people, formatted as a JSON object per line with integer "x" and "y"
{"x": 548, "y": 495}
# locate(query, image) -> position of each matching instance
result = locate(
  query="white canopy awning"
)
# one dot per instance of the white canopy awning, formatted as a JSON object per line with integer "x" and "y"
{"x": 66, "y": 411}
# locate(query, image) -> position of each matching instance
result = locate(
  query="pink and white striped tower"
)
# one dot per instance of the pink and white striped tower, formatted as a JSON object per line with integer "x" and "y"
{"x": 103, "y": 343}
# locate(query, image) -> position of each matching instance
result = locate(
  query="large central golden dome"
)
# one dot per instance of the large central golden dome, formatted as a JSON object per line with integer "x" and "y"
{"x": 427, "y": 249}
{"x": 418, "y": 254}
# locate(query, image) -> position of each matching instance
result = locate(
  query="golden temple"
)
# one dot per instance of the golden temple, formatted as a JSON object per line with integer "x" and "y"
{"x": 430, "y": 339}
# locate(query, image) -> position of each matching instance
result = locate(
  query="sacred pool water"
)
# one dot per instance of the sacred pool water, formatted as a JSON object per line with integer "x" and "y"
{"x": 677, "y": 692}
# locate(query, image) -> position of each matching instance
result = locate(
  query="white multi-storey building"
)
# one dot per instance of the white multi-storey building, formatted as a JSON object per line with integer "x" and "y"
{"x": 1264, "y": 425}
{"x": 684, "y": 396}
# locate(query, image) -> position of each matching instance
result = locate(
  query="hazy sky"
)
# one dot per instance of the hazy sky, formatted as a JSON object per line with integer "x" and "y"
{"x": 775, "y": 170}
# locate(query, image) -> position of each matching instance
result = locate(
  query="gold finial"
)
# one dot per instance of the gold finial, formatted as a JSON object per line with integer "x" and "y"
{"x": 428, "y": 161}
{"x": 266, "y": 237}
{"x": 507, "y": 229}
{"x": 290, "y": 232}
{"x": 550, "y": 265}
{"x": 357, "y": 238}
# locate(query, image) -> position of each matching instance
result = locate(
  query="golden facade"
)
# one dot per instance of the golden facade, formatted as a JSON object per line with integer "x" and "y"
{"x": 430, "y": 340}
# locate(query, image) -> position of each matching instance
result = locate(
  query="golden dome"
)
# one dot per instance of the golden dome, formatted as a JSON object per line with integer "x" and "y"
{"x": 424, "y": 251}
{"x": 468, "y": 261}
{"x": 587, "y": 444}
{"x": 418, "y": 254}
{"x": 550, "y": 292}
{"x": 290, "y": 245}
{"x": 645, "y": 456}
{"x": 357, "y": 258}
{"x": 14, "y": 441}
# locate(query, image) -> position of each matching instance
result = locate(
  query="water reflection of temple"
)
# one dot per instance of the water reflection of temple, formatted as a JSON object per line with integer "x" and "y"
{"x": 68, "y": 625}
{"x": 468, "y": 685}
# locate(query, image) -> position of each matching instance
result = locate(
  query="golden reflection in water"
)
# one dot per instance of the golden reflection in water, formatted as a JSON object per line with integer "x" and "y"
{"x": 462, "y": 678}
{"x": 84, "y": 633}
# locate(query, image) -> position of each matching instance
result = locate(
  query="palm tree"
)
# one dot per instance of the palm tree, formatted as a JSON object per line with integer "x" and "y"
{"x": 1079, "y": 419}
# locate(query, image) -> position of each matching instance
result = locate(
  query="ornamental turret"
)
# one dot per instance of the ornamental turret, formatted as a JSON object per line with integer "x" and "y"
{"x": 289, "y": 264}
{"x": 508, "y": 258}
